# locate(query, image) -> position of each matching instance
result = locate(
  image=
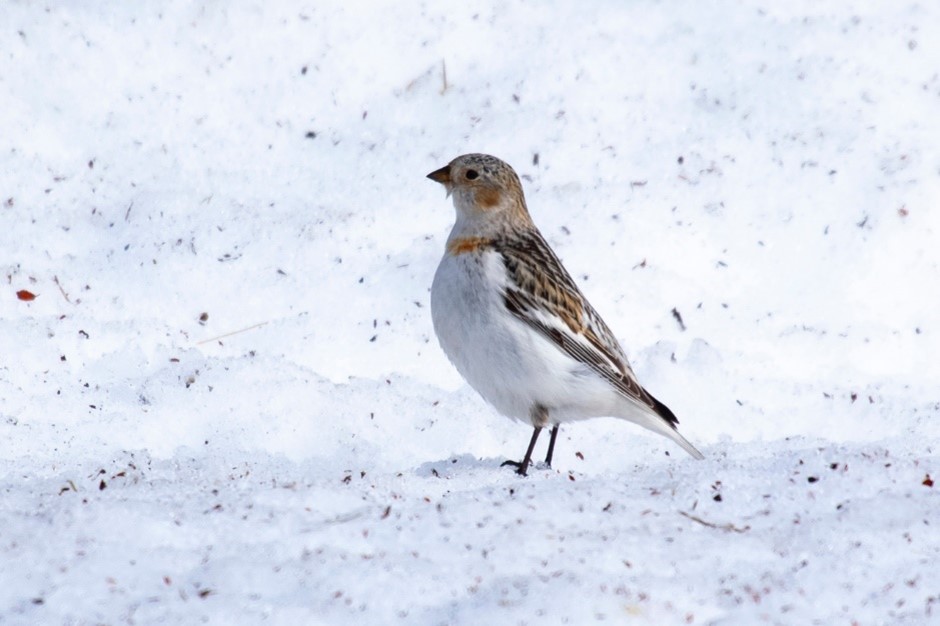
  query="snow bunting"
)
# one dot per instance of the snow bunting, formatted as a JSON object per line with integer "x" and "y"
{"x": 514, "y": 324}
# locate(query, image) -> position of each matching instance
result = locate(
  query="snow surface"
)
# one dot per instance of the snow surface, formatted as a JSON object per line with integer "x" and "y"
{"x": 305, "y": 454}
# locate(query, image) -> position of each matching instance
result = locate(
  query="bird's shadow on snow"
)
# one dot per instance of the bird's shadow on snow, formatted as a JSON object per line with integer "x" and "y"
{"x": 459, "y": 465}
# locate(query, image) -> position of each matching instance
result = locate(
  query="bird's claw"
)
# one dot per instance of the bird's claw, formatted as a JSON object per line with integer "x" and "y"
{"x": 520, "y": 467}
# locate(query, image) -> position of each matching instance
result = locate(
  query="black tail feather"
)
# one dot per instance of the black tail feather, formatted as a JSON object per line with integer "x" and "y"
{"x": 662, "y": 410}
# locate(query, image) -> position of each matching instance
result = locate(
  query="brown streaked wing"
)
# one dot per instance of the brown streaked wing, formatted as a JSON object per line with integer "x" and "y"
{"x": 539, "y": 283}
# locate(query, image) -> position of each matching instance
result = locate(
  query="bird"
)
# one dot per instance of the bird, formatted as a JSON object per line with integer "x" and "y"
{"x": 514, "y": 324}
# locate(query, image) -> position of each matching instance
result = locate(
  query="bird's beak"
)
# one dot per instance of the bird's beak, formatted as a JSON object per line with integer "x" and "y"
{"x": 442, "y": 176}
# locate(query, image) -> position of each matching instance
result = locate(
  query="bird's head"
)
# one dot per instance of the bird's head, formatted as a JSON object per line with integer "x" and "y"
{"x": 483, "y": 187}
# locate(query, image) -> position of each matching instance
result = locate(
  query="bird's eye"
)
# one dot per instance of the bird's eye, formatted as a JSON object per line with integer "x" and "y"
{"x": 472, "y": 174}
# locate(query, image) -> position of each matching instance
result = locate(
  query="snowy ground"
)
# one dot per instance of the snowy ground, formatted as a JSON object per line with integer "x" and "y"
{"x": 171, "y": 173}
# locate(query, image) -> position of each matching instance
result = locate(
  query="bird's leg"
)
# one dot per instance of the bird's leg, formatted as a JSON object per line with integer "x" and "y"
{"x": 521, "y": 467}
{"x": 551, "y": 446}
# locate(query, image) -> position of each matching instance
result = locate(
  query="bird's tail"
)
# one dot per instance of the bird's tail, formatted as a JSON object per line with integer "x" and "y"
{"x": 672, "y": 433}
{"x": 657, "y": 417}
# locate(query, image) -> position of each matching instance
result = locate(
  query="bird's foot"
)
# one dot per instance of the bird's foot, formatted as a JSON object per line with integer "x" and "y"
{"x": 520, "y": 466}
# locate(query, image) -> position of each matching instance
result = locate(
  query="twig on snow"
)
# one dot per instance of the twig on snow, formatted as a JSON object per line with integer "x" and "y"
{"x": 234, "y": 332}
{"x": 726, "y": 527}
{"x": 61, "y": 290}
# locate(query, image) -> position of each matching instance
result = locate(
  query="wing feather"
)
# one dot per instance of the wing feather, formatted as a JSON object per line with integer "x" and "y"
{"x": 542, "y": 294}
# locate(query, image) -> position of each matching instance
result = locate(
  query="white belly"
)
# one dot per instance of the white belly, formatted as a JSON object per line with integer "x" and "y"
{"x": 503, "y": 359}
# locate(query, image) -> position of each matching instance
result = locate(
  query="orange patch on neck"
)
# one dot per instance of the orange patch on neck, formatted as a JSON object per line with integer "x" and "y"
{"x": 488, "y": 197}
{"x": 464, "y": 245}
